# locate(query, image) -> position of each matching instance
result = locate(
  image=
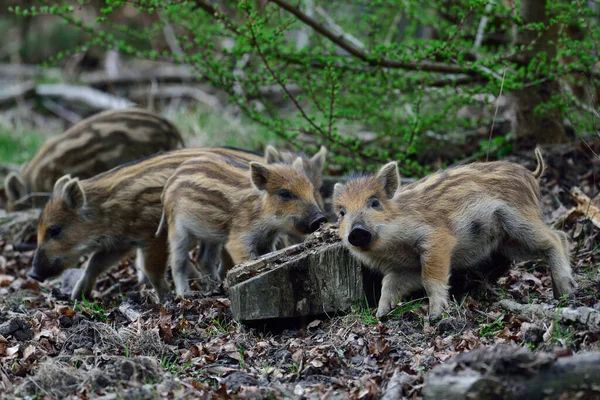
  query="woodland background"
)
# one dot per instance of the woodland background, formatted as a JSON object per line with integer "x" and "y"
{"x": 429, "y": 84}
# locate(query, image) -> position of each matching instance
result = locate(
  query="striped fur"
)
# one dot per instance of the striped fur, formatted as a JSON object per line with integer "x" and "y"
{"x": 452, "y": 219}
{"x": 246, "y": 207}
{"x": 213, "y": 259}
{"x": 92, "y": 146}
{"x": 119, "y": 211}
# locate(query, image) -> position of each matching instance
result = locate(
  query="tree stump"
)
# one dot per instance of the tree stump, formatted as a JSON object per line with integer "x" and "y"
{"x": 314, "y": 277}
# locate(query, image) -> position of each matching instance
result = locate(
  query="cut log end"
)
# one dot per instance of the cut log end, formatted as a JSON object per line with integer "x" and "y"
{"x": 315, "y": 277}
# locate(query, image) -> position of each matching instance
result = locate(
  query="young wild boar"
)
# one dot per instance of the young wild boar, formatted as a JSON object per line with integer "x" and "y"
{"x": 92, "y": 146}
{"x": 109, "y": 215}
{"x": 219, "y": 201}
{"x": 453, "y": 219}
{"x": 211, "y": 255}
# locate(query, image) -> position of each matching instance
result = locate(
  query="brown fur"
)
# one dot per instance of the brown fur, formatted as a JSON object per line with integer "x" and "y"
{"x": 217, "y": 202}
{"x": 92, "y": 146}
{"x": 452, "y": 219}
{"x": 109, "y": 215}
{"x": 113, "y": 213}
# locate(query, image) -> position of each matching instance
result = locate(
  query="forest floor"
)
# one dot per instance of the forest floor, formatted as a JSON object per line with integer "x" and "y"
{"x": 121, "y": 344}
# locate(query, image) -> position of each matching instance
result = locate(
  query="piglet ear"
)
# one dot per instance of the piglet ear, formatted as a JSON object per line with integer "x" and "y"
{"x": 15, "y": 187}
{"x": 259, "y": 174}
{"x": 272, "y": 155}
{"x": 298, "y": 164}
{"x": 317, "y": 162}
{"x": 337, "y": 190}
{"x": 60, "y": 184}
{"x": 389, "y": 178}
{"x": 73, "y": 194}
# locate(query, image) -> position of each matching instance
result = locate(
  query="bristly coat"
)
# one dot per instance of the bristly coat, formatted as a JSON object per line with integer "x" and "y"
{"x": 453, "y": 219}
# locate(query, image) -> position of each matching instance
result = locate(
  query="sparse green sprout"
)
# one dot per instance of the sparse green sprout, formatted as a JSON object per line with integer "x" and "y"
{"x": 92, "y": 310}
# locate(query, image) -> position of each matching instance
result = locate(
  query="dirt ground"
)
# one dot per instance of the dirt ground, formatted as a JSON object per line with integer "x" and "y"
{"x": 121, "y": 344}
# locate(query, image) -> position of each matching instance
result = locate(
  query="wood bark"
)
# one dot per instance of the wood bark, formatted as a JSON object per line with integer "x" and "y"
{"x": 315, "y": 277}
{"x": 514, "y": 372}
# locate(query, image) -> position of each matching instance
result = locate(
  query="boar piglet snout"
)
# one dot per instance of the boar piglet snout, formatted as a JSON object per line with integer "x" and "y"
{"x": 42, "y": 269}
{"x": 310, "y": 222}
{"x": 360, "y": 236}
{"x": 317, "y": 220}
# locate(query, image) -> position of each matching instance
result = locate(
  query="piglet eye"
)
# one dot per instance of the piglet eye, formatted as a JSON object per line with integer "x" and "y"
{"x": 285, "y": 194}
{"x": 341, "y": 213}
{"x": 375, "y": 203}
{"x": 54, "y": 231}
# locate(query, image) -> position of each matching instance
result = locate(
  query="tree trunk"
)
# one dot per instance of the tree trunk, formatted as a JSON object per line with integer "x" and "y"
{"x": 530, "y": 126}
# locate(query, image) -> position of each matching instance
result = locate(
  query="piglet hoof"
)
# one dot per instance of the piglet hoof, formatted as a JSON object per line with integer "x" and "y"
{"x": 384, "y": 309}
{"x": 436, "y": 308}
{"x": 435, "y": 317}
{"x": 79, "y": 293}
{"x": 565, "y": 287}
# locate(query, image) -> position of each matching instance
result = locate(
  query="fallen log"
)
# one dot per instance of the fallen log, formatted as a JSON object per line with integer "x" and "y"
{"x": 395, "y": 387}
{"x": 20, "y": 71}
{"x": 584, "y": 315}
{"x": 514, "y": 372}
{"x": 90, "y": 97}
{"x": 165, "y": 74}
{"x": 20, "y": 226}
{"x": 12, "y": 93}
{"x": 314, "y": 277}
{"x": 176, "y": 91}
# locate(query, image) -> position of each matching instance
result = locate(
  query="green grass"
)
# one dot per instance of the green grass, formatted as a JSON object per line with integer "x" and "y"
{"x": 490, "y": 329}
{"x": 93, "y": 310}
{"x": 203, "y": 126}
{"x": 170, "y": 364}
{"x": 18, "y": 147}
{"x": 406, "y": 307}
{"x": 362, "y": 313}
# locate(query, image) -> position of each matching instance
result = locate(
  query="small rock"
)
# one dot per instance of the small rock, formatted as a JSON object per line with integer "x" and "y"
{"x": 238, "y": 379}
{"x": 533, "y": 335}
{"x": 65, "y": 321}
{"x": 449, "y": 324}
{"x": 283, "y": 356}
{"x": 18, "y": 328}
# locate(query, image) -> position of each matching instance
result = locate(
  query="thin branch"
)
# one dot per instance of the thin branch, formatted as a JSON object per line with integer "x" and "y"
{"x": 290, "y": 95}
{"x": 211, "y": 10}
{"x": 170, "y": 36}
{"x": 487, "y": 155}
{"x": 335, "y": 28}
{"x": 331, "y": 102}
{"x": 392, "y": 28}
{"x": 360, "y": 54}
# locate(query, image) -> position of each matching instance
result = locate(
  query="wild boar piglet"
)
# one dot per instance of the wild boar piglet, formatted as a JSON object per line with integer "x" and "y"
{"x": 90, "y": 147}
{"x": 208, "y": 255}
{"x": 109, "y": 215}
{"x": 218, "y": 201}
{"x": 453, "y": 219}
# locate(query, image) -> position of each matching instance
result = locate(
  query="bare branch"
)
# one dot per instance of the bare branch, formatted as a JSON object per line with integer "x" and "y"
{"x": 360, "y": 54}
{"x": 335, "y": 28}
{"x": 482, "y": 24}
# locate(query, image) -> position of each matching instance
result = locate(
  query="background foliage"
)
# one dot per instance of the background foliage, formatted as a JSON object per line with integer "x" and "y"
{"x": 372, "y": 80}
